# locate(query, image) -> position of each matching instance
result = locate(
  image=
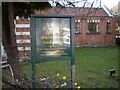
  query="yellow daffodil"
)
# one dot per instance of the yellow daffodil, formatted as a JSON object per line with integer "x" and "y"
{"x": 58, "y": 74}
{"x": 76, "y": 84}
{"x": 78, "y": 87}
{"x": 64, "y": 77}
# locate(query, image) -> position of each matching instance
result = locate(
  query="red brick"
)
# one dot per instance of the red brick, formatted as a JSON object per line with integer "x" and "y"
{"x": 22, "y": 21}
{"x": 23, "y": 53}
{"x": 23, "y": 37}
{"x": 22, "y": 29}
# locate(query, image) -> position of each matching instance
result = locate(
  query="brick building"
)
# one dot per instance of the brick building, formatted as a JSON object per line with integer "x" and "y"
{"x": 93, "y": 26}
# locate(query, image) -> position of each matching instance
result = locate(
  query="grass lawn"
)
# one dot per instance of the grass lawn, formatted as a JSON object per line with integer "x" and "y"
{"x": 92, "y": 67}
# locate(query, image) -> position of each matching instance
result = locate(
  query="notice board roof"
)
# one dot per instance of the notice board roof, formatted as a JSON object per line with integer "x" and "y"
{"x": 52, "y": 16}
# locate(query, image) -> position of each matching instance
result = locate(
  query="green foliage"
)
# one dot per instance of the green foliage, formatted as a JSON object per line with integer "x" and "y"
{"x": 115, "y": 9}
{"x": 26, "y": 8}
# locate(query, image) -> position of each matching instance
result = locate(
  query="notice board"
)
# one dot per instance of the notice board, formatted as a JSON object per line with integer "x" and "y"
{"x": 52, "y": 37}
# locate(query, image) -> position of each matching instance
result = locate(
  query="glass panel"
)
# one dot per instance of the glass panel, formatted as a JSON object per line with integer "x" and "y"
{"x": 53, "y": 37}
{"x": 93, "y": 27}
{"x": 108, "y": 27}
{"x": 77, "y": 28}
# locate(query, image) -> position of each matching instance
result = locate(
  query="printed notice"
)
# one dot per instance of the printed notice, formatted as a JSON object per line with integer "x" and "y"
{"x": 53, "y": 37}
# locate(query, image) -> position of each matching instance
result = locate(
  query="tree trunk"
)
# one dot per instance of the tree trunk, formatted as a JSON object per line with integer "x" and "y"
{"x": 9, "y": 38}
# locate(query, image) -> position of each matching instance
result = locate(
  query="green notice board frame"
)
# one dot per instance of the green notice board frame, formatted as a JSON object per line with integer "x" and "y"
{"x": 41, "y": 20}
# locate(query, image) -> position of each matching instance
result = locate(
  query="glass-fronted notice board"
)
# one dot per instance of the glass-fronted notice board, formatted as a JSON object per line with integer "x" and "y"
{"x": 51, "y": 37}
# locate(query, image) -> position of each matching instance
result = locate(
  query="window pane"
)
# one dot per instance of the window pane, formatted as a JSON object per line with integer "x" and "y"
{"x": 108, "y": 27}
{"x": 92, "y": 27}
{"x": 77, "y": 27}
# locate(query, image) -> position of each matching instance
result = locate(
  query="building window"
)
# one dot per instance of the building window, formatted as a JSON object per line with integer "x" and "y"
{"x": 77, "y": 26}
{"x": 108, "y": 27}
{"x": 93, "y": 27}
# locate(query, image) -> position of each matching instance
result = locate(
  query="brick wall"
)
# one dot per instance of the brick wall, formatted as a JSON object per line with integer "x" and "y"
{"x": 23, "y": 37}
{"x": 82, "y": 38}
{"x": 101, "y": 38}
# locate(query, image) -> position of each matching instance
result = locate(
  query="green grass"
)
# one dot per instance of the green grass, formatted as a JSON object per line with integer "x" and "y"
{"x": 92, "y": 67}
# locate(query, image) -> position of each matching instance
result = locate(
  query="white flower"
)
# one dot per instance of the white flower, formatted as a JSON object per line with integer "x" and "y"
{"x": 43, "y": 79}
{"x": 64, "y": 84}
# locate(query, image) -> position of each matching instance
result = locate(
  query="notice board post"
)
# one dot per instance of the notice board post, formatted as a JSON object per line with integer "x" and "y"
{"x": 52, "y": 39}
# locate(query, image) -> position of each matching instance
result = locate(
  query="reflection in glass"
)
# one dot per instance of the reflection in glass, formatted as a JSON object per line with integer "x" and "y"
{"x": 53, "y": 37}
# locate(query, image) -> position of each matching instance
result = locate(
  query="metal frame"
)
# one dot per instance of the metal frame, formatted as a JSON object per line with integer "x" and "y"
{"x": 33, "y": 46}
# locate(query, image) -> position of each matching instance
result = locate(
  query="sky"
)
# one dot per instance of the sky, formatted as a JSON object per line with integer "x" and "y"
{"x": 109, "y": 3}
